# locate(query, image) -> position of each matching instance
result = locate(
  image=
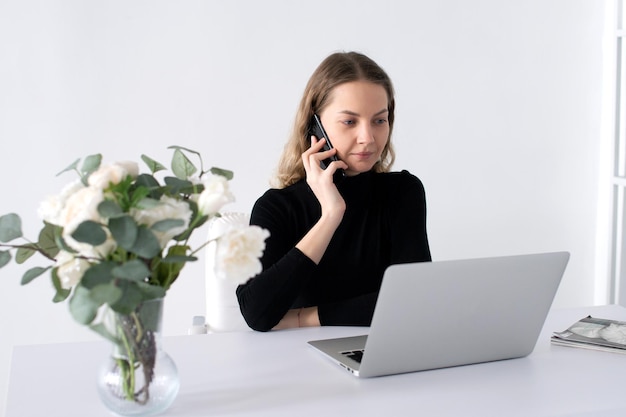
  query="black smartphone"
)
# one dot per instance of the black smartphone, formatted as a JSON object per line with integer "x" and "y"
{"x": 317, "y": 129}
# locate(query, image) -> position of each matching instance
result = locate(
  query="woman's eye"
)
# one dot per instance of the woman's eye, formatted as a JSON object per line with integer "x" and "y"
{"x": 348, "y": 122}
{"x": 381, "y": 121}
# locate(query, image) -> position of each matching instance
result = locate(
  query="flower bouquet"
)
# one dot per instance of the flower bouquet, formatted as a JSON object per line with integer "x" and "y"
{"x": 116, "y": 241}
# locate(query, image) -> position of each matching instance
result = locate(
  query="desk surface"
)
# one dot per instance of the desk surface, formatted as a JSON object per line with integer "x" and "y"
{"x": 277, "y": 374}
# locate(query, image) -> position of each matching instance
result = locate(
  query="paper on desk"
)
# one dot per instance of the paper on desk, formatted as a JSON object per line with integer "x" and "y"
{"x": 594, "y": 333}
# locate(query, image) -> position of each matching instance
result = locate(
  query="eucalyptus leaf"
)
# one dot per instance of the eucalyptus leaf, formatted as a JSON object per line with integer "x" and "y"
{"x": 124, "y": 230}
{"x": 90, "y": 232}
{"x": 146, "y": 245}
{"x": 177, "y": 185}
{"x": 61, "y": 244}
{"x": 131, "y": 297}
{"x": 24, "y": 252}
{"x": 185, "y": 149}
{"x": 91, "y": 164}
{"x": 48, "y": 239}
{"x": 148, "y": 181}
{"x": 102, "y": 330}
{"x": 83, "y": 308}
{"x": 134, "y": 270}
{"x": 167, "y": 224}
{"x": 73, "y": 166}
{"x": 223, "y": 172}
{"x": 10, "y": 227}
{"x": 105, "y": 294}
{"x": 150, "y": 291}
{"x": 182, "y": 167}
{"x": 100, "y": 273}
{"x": 61, "y": 293}
{"x": 109, "y": 209}
{"x": 153, "y": 165}
{"x": 5, "y": 257}
{"x": 148, "y": 203}
{"x": 33, "y": 273}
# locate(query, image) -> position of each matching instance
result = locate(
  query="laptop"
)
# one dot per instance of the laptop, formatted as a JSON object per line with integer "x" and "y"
{"x": 433, "y": 315}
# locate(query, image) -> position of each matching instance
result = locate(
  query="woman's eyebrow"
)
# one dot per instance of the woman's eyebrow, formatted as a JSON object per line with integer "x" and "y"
{"x": 351, "y": 113}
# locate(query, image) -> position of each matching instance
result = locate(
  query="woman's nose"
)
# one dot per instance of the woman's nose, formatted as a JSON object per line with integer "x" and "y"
{"x": 366, "y": 134}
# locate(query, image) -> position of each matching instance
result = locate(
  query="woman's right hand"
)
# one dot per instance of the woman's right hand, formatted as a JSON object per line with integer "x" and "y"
{"x": 321, "y": 180}
{"x": 315, "y": 242}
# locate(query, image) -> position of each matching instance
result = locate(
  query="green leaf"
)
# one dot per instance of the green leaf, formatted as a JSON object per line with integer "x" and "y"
{"x": 100, "y": 273}
{"x": 149, "y": 182}
{"x": 223, "y": 172}
{"x": 146, "y": 246}
{"x": 167, "y": 224}
{"x": 124, "y": 230}
{"x": 109, "y": 209}
{"x": 90, "y": 164}
{"x": 178, "y": 186}
{"x": 147, "y": 203}
{"x": 134, "y": 270}
{"x": 150, "y": 315}
{"x": 102, "y": 330}
{"x": 182, "y": 167}
{"x": 73, "y": 166}
{"x": 61, "y": 293}
{"x": 24, "y": 252}
{"x": 5, "y": 257}
{"x": 90, "y": 232}
{"x": 10, "y": 227}
{"x": 185, "y": 149}
{"x": 33, "y": 273}
{"x": 48, "y": 239}
{"x": 165, "y": 273}
{"x": 130, "y": 299}
{"x": 83, "y": 308}
{"x": 151, "y": 292}
{"x": 153, "y": 165}
{"x": 178, "y": 259}
{"x": 106, "y": 294}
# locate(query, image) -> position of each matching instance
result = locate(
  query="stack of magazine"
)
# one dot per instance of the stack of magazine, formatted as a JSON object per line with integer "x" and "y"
{"x": 594, "y": 333}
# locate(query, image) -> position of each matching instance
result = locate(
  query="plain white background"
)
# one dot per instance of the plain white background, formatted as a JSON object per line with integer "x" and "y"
{"x": 499, "y": 112}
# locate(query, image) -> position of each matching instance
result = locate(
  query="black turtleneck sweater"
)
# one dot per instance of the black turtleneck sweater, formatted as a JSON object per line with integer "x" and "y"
{"x": 384, "y": 224}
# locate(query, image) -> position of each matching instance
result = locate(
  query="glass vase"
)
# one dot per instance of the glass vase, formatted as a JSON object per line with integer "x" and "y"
{"x": 139, "y": 378}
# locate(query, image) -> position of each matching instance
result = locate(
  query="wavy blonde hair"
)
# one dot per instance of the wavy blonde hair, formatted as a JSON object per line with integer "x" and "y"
{"x": 336, "y": 69}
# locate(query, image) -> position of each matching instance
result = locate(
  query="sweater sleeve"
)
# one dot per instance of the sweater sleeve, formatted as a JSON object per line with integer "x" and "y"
{"x": 266, "y": 298}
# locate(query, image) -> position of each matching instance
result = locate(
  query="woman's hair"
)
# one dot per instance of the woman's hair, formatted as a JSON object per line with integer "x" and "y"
{"x": 338, "y": 68}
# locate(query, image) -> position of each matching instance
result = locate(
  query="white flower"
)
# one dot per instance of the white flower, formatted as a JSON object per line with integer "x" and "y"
{"x": 215, "y": 195}
{"x": 82, "y": 206}
{"x": 238, "y": 251}
{"x": 169, "y": 208}
{"x": 50, "y": 210}
{"x": 113, "y": 174}
{"x": 70, "y": 269}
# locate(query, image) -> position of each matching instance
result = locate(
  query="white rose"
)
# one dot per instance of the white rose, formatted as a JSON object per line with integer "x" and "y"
{"x": 113, "y": 174}
{"x": 51, "y": 209}
{"x": 82, "y": 206}
{"x": 169, "y": 208}
{"x": 215, "y": 195}
{"x": 238, "y": 251}
{"x": 70, "y": 269}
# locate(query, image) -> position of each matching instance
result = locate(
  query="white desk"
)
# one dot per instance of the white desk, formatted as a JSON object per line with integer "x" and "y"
{"x": 277, "y": 374}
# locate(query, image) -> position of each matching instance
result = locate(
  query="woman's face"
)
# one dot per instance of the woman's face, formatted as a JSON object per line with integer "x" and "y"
{"x": 356, "y": 120}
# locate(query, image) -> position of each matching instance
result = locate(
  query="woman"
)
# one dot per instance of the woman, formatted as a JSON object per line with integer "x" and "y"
{"x": 331, "y": 241}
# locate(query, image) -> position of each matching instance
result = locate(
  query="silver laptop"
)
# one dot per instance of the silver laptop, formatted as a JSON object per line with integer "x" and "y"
{"x": 434, "y": 315}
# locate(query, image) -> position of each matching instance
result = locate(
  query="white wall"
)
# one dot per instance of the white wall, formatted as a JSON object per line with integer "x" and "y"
{"x": 499, "y": 113}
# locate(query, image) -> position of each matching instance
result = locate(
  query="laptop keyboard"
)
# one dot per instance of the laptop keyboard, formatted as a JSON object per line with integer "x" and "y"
{"x": 355, "y": 355}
